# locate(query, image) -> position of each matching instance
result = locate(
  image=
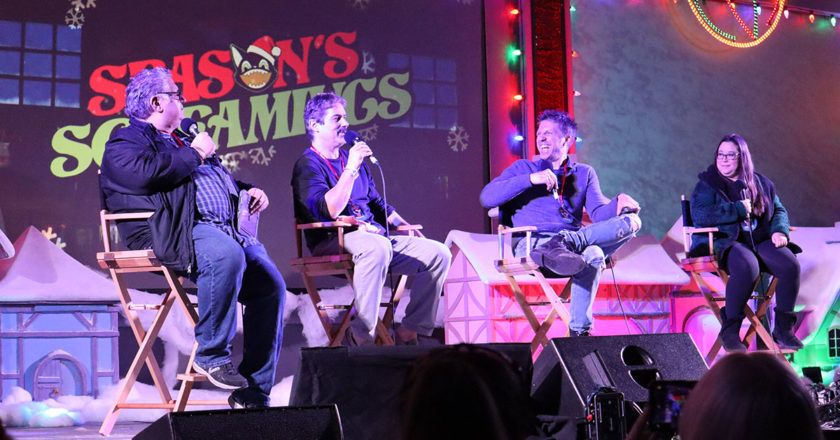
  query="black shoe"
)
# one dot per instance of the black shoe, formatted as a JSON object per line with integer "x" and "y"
{"x": 557, "y": 256}
{"x": 783, "y": 331}
{"x": 730, "y": 332}
{"x": 223, "y": 376}
{"x": 240, "y": 401}
{"x": 787, "y": 340}
{"x": 575, "y": 333}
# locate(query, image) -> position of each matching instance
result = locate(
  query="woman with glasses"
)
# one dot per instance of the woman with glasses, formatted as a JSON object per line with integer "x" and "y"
{"x": 754, "y": 233}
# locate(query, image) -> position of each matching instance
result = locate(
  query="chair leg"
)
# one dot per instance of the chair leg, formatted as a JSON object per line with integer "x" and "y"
{"x": 139, "y": 333}
{"x": 556, "y": 303}
{"x": 142, "y": 356}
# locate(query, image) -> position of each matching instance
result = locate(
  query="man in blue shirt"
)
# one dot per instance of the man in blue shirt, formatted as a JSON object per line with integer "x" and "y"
{"x": 149, "y": 166}
{"x": 550, "y": 193}
{"x": 331, "y": 183}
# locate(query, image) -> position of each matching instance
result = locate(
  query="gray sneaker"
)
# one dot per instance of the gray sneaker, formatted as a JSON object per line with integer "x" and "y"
{"x": 557, "y": 256}
{"x": 223, "y": 376}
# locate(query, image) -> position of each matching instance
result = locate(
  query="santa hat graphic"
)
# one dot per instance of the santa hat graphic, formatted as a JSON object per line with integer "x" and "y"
{"x": 264, "y": 47}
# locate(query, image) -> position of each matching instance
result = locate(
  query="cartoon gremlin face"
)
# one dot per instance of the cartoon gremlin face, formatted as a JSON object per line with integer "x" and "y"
{"x": 256, "y": 68}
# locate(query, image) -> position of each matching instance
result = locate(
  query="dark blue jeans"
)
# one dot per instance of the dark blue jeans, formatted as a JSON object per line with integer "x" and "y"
{"x": 594, "y": 243}
{"x": 227, "y": 273}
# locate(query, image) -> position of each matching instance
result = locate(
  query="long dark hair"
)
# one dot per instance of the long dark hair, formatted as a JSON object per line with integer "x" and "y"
{"x": 746, "y": 172}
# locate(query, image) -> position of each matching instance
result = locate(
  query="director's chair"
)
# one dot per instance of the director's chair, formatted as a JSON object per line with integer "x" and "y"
{"x": 122, "y": 262}
{"x": 341, "y": 263}
{"x": 700, "y": 267}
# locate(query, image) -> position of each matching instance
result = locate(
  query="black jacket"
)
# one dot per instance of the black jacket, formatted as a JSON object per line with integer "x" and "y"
{"x": 142, "y": 171}
{"x": 711, "y": 206}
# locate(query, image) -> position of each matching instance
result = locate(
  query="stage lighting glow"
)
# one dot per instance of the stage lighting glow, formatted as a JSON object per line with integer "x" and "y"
{"x": 514, "y": 11}
{"x": 577, "y": 92}
{"x": 519, "y": 138}
{"x": 833, "y": 20}
{"x": 811, "y": 17}
{"x": 518, "y": 97}
{"x": 787, "y": 13}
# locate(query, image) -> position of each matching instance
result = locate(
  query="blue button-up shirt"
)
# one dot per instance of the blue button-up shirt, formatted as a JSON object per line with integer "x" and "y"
{"x": 216, "y": 199}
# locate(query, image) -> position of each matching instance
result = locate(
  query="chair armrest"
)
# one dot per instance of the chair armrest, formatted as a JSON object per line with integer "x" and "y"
{"x": 693, "y": 230}
{"x": 323, "y": 225}
{"x": 105, "y": 219}
{"x": 411, "y": 230}
{"x": 127, "y": 215}
{"x": 507, "y": 230}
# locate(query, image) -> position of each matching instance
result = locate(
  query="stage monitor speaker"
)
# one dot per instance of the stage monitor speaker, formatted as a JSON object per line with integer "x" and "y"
{"x": 365, "y": 383}
{"x": 311, "y": 423}
{"x": 569, "y": 370}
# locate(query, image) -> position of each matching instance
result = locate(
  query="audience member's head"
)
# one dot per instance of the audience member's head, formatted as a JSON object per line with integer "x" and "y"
{"x": 749, "y": 397}
{"x": 465, "y": 391}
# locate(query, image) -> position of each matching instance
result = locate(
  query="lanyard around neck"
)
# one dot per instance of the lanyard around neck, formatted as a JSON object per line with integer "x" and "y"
{"x": 328, "y": 162}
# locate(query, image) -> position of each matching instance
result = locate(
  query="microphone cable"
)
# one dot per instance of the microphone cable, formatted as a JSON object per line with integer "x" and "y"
{"x": 388, "y": 236}
{"x": 749, "y": 225}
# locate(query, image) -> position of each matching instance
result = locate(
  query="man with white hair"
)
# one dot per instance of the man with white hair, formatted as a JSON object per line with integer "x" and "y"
{"x": 151, "y": 166}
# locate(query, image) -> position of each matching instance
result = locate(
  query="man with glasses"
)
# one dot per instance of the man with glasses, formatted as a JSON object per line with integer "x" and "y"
{"x": 550, "y": 193}
{"x": 151, "y": 166}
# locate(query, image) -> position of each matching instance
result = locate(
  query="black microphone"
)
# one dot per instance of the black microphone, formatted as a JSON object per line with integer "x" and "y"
{"x": 189, "y": 126}
{"x": 351, "y": 137}
{"x": 742, "y": 186}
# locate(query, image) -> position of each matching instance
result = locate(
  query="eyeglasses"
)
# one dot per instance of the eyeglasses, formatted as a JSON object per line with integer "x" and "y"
{"x": 727, "y": 156}
{"x": 173, "y": 95}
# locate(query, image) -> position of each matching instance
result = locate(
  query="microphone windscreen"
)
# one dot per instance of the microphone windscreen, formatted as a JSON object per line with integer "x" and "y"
{"x": 351, "y": 137}
{"x": 188, "y": 125}
{"x": 740, "y": 185}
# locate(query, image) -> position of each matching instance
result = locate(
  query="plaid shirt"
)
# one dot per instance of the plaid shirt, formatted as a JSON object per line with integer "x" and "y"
{"x": 216, "y": 198}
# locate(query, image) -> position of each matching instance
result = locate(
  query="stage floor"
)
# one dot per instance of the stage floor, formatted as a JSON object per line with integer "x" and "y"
{"x": 89, "y": 431}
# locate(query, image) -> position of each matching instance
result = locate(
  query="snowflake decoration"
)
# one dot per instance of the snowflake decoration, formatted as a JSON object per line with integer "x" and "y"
{"x": 50, "y": 235}
{"x": 368, "y": 62}
{"x": 458, "y": 139}
{"x": 230, "y": 161}
{"x": 369, "y": 133}
{"x": 82, "y": 4}
{"x": 74, "y": 18}
{"x": 258, "y": 156}
{"x": 360, "y": 4}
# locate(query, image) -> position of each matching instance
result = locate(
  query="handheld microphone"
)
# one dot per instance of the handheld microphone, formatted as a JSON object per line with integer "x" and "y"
{"x": 745, "y": 195}
{"x": 189, "y": 126}
{"x": 352, "y": 137}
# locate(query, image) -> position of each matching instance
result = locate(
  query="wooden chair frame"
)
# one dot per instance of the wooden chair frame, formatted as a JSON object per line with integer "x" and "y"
{"x": 122, "y": 262}
{"x": 697, "y": 266}
{"x": 341, "y": 263}
{"x": 511, "y": 266}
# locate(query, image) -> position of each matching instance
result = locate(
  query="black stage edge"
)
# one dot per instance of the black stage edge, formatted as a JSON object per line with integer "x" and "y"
{"x": 299, "y": 423}
{"x": 365, "y": 383}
